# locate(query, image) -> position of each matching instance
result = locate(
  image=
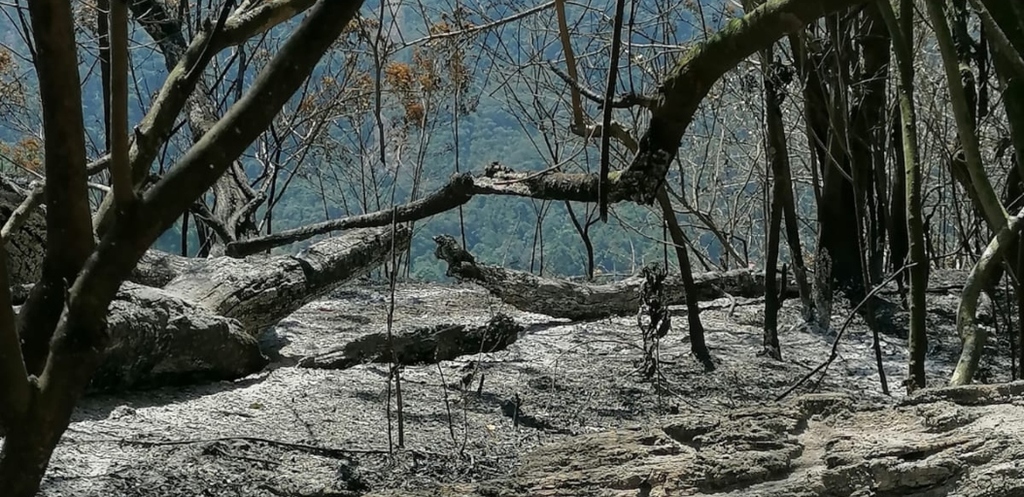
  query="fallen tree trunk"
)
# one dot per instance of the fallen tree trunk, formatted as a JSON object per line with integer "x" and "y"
{"x": 158, "y": 338}
{"x": 27, "y": 244}
{"x": 184, "y": 319}
{"x": 427, "y": 345}
{"x": 157, "y": 269}
{"x": 580, "y": 301}
{"x": 205, "y": 323}
{"x": 260, "y": 291}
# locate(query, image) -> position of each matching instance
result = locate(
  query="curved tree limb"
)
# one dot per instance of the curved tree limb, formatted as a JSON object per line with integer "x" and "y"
{"x": 986, "y": 198}
{"x": 677, "y": 101}
{"x": 974, "y": 337}
{"x": 1001, "y": 44}
{"x": 692, "y": 77}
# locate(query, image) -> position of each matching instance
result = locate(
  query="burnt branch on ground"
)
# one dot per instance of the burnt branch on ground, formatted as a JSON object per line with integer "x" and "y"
{"x": 427, "y": 345}
{"x": 581, "y": 301}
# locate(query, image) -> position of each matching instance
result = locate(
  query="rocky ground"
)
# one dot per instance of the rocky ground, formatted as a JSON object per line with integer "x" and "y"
{"x": 563, "y": 411}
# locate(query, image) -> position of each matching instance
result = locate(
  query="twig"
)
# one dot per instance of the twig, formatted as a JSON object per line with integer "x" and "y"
{"x": 623, "y": 102}
{"x": 447, "y": 404}
{"x": 606, "y": 122}
{"x": 312, "y": 449}
{"x": 835, "y": 342}
{"x": 476, "y": 29}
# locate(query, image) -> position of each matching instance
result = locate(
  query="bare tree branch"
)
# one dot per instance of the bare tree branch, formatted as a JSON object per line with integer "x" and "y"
{"x": 207, "y": 160}
{"x": 623, "y": 102}
{"x": 496, "y": 180}
{"x": 22, "y": 213}
{"x": 156, "y": 126}
{"x": 683, "y": 90}
{"x": 120, "y": 168}
{"x": 477, "y": 29}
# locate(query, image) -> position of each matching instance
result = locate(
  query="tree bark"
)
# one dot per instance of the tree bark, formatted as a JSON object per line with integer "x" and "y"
{"x": 698, "y": 345}
{"x": 973, "y": 336}
{"x": 901, "y": 33}
{"x": 188, "y": 320}
{"x": 778, "y": 158}
{"x": 159, "y": 338}
{"x": 427, "y": 345}
{"x": 259, "y": 291}
{"x": 578, "y": 301}
{"x": 26, "y": 245}
{"x": 204, "y": 323}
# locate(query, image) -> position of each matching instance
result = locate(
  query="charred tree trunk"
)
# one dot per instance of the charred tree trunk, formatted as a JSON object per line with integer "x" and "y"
{"x": 866, "y": 142}
{"x": 1012, "y": 86}
{"x": 577, "y": 301}
{"x": 428, "y": 345}
{"x": 259, "y": 291}
{"x": 868, "y": 129}
{"x": 187, "y": 320}
{"x": 837, "y": 208}
{"x": 778, "y": 158}
{"x": 204, "y": 323}
{"x": 698, "y": 345}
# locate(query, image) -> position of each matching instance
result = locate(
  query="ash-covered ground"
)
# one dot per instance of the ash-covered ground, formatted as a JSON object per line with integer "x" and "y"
{"x": 289, "y": 431}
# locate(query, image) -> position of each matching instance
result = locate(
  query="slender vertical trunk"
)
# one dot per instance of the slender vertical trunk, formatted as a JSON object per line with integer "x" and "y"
{"x": 972, "y": 336}
{"x": 898, "y": 232}
{"x": 902, "y": 32}
{"x": 778, "y": 158}
{"x": 1010, "y": 22}
{"x": 697, "y": 344}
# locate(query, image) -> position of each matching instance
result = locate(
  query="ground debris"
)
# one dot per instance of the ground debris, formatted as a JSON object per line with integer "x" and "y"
{"x": 600, "y": 429}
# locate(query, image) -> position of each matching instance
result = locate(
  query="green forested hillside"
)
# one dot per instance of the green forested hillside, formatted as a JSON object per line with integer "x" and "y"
{"x": 339, "y": 172}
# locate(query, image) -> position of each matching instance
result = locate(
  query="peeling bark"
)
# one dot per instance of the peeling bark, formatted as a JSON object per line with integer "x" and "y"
{"x": 204, "y": 323}
{"x": 159, "y": 338}
{"x": 260, "y": 291}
